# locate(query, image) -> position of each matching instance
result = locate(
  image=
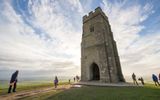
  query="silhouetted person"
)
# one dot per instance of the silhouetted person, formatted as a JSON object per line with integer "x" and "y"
{"x": 159, "y": 76}
{"x": 77, "y": 77}
{"x": 13, "y": 82}
{"x": 55, "y": 82}
{"x": 142, "y": 81}
{"x": 69, "y": 81}
{"x": 155, "y": 79}
{"x": 134, "y": 79}
{"x": 74, "y": 79}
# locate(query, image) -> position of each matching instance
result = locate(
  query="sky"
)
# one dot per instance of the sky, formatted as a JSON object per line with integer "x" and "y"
{"x": 42, "y": 37}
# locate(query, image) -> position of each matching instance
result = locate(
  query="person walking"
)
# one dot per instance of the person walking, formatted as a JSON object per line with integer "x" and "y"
{"x": 134, "y": 79}
{"x": 69, "y": 81}
{"x": 159, "y": 76}
{"x": 13, "y": 82}
{"x": 55, "y": 82}
{"x": 155, "y": 79}
{"x": 74, "y": 79}
{"x": 142, "y": 81}
{"x": 77, "y": 78}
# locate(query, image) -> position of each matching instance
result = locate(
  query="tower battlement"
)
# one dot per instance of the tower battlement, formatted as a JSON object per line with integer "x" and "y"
{"x": 92, "y": 14}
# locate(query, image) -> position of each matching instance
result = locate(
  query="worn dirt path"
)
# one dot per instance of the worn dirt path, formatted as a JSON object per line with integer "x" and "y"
{"x": 22, "y": 94}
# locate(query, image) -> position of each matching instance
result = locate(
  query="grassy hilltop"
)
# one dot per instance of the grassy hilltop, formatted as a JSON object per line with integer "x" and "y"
{"x": 148, "y": 92}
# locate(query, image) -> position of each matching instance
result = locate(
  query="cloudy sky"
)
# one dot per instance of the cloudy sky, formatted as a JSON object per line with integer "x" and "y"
{"x": 44, "y": 35}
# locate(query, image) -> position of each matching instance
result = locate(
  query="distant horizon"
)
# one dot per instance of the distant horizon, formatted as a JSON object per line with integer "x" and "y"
{"x": 24, "y": 76}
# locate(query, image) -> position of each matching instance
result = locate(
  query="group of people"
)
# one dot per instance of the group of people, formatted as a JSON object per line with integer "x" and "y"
{"x": 75, "y": 79}
{"x": 135, "y": 80}
{"x": 154, "y": 78}
{"x": 14, "y": 80}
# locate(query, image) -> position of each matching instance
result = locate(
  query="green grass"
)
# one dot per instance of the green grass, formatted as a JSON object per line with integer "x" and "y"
{"x": 28, "y": 86}
{"x": 148, "y": 92}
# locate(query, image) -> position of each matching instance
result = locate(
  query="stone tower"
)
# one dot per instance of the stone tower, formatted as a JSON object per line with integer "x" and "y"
{"x": 99, "y": 55}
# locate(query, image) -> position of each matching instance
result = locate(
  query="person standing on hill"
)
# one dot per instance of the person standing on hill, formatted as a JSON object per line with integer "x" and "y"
{"x": 77, "y": 77}
{"x": 13, "y": 82}
{"x": 55, "y": 82}
{"x": 69, "y": 81}
{"x": 142, "y": 81}
{"x": 159, "y": 76}
{"x": 74, "y": 79}
{"x": 155, "y": 79}
{"x": 134, "y": 79}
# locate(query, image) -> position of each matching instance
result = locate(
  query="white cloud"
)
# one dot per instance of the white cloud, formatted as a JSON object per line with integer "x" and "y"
{"x": 138, "y": 53}
{"x": 22, "y": 48}
{"x": 57, "y": 48}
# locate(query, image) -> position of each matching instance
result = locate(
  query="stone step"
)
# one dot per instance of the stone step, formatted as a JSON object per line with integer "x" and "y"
{"x": 121, "y": 84}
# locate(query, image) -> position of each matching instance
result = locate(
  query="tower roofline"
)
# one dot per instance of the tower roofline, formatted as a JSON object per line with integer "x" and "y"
{"x": 92, "y": 14}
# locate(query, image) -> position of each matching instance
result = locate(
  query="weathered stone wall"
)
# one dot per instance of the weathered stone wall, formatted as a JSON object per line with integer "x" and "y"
{"x": 99, "y": 47}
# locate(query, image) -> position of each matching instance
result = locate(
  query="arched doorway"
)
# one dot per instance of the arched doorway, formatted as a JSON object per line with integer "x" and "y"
{"x": 95, "y": 72}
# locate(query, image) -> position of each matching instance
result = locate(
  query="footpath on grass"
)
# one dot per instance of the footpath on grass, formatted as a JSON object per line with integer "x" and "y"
{"x": 41, "y": 90}
{"x": 26, "y": 93}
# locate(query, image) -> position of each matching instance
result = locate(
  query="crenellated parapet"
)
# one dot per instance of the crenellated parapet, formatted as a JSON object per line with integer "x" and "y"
{"x": 92, "y": 14}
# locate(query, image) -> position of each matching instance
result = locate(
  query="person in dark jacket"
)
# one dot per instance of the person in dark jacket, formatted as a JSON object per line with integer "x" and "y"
{"x": 155, "y": 79}
{"x": 74, "y": 79}
{"x": 159, "y": 76}
{"x": 77, "y": 78}
{"x": 55, "y": 82}
{"x": 134, "y": 79}
{"x": 13, "y": 82}
{"x": 142, "y": 81}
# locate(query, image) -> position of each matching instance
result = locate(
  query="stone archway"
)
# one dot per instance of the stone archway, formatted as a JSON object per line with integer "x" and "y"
{"x": 95, "y": 73}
